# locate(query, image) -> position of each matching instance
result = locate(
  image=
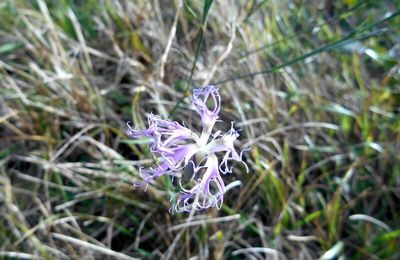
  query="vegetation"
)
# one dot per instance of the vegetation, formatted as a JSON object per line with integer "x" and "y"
{"x": 314, "y": 86}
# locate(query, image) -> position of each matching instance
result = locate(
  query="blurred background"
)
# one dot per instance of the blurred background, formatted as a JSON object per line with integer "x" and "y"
{"x": 314, "y": 86}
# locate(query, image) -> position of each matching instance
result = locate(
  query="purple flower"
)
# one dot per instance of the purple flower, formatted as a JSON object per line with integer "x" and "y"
{"x": 177, "y": 148}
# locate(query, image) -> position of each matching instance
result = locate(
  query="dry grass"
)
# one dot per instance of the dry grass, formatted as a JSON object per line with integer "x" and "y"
{"x": 322, "y": 121}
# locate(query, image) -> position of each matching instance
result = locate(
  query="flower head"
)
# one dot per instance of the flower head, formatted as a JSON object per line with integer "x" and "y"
{"x": 176, "y": 148}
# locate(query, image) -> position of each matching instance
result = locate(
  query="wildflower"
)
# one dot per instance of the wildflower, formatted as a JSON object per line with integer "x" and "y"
{"x": 177, "y": 148}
